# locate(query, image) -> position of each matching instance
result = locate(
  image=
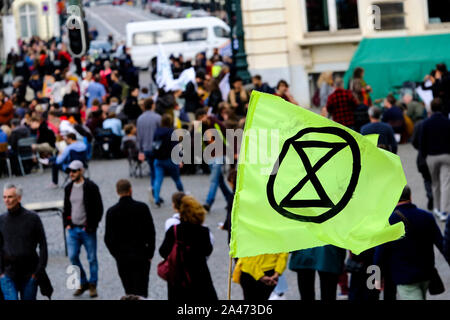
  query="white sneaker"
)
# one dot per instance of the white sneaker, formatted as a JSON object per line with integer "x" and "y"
{"x": 276, "y": 296}
{"x": 441, "y": 215}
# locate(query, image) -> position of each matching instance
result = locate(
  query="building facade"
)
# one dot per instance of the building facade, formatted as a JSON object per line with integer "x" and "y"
{"x": 296, "y": 40}
{"x": 36, "y": 18}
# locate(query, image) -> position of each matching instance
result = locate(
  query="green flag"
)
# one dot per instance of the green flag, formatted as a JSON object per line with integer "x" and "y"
{"x": 321, "y": 183}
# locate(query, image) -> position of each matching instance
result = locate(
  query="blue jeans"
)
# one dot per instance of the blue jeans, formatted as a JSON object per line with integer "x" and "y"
{"x": 11, "y": 289}
{"x": 151, "y": 164}
{"x": 217, "y": 180}
{"x": 170, "y": 168}
{"x": 76, "y": 237}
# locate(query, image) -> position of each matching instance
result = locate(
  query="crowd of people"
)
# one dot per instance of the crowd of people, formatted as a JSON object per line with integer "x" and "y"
{"x": 74, "y": 110}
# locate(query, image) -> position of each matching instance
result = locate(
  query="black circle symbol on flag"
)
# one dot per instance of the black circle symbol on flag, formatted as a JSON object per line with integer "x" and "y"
{"x": 324, "y": 201}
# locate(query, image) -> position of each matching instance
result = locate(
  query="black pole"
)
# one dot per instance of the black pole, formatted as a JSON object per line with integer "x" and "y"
{"x": 238, "y": 37}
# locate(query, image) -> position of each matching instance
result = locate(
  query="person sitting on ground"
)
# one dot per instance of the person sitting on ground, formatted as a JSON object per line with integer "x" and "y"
{"x": 393, "y": 115}
{"x": 261, "y": 86}
{"x": 45, "y": 138}
{"x": 414, "y": 109}
{"x": 129, "y": 141}
{"x": 115, "y": 125}
{"x": 6, "y": 109}
{"x": 283, "y": 92}
{"x": 18, "y": 132}
{"x": 238, "y": 98}
{"x": 62, "y": 160}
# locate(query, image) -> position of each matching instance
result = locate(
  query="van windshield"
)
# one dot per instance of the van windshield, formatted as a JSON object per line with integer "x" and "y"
{"x": 221, "y": 32}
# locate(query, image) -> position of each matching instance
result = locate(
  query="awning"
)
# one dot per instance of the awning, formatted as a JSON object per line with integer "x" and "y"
{"x": 389, "y": 62}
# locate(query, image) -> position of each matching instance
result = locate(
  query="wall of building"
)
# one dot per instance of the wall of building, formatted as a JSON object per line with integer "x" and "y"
{"x": 47, "y": 24}
{"x": 279, "y": 46}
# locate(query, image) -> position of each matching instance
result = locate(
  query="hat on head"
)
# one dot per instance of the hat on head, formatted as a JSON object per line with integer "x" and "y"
{"x": 76, "y": 165}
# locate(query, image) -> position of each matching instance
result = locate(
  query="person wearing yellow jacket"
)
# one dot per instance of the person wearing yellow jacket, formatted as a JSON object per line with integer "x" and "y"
{"x": 258, "y": 275}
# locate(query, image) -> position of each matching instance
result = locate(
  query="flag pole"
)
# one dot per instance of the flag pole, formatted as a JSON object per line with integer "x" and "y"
{"x": 229, "y": 278}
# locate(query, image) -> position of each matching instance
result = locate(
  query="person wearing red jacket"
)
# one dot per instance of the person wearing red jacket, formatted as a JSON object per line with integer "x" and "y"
{"x": 6, "y": 109}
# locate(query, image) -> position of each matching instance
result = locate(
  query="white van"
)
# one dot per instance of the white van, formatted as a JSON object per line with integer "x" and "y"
{"x": 178, "y": 36}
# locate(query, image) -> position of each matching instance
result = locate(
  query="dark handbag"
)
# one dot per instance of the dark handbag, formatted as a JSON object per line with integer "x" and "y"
{"x": 173, "y": 268}
{"x": 436, "y": 285}
{"x": 164, "y": 267}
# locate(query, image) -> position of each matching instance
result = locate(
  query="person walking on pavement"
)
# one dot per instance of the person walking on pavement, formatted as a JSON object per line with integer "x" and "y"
{"x": 422, "y": 166}
{"x": 435, "y": 148}
{"x": 410, "y": 259}
{"x": 130, "y": 238}
{"x": 163, "y": 162}
{"x": 196, "y": 241}
{"x": 147, "y": 123}
{"x": 21, "y": 233}
{"x": 216, "y": 161}
{"x": 83, "y": 210}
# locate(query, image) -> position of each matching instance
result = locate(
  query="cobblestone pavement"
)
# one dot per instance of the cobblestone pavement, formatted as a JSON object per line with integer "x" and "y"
{"x": 106, "y": 172}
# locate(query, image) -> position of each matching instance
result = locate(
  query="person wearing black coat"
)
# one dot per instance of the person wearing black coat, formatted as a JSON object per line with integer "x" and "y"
{"x": 21, "y": 233}
{"x": 83, "y": 210}
{"x": 192, "y": 99}
{"x": 196, "y": 238}
{"x": 130, "y": 238}
{"x": 131, "y": 108}
{"x": 71, "y": 99}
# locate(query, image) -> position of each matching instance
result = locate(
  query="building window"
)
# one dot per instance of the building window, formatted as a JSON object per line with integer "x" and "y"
{"x": 392, "y": 15}
{"x": 317, "y": 15}
{"x": 347, "y": 14}
{"x": 28, "y": 20}
{"x": 331, "y": 15}
{"x": 438, "y": 11}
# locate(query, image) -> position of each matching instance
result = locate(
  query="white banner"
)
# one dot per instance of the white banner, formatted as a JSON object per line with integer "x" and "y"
{"x": 185, "y": 77}
{"x": 164, "y": 77}
{"x": 224, "y": 86}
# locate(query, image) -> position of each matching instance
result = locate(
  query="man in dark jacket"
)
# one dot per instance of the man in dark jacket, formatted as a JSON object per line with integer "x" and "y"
{"x": 21, "y": 232}
{"x": 434, "y": 147}
{"x": 83, "y": 210}
{"x": 410, "y": 260}
{"x": 130, "y": 238}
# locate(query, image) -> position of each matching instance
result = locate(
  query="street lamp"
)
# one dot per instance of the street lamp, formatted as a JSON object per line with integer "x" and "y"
{"x": 237, "y": 39}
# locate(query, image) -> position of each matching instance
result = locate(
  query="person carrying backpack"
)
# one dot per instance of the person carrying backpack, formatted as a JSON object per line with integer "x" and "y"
{"x": 189, "y": 278}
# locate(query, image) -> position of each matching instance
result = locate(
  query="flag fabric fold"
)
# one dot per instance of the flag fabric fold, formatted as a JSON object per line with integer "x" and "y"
{"x": 322, "y": 184}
